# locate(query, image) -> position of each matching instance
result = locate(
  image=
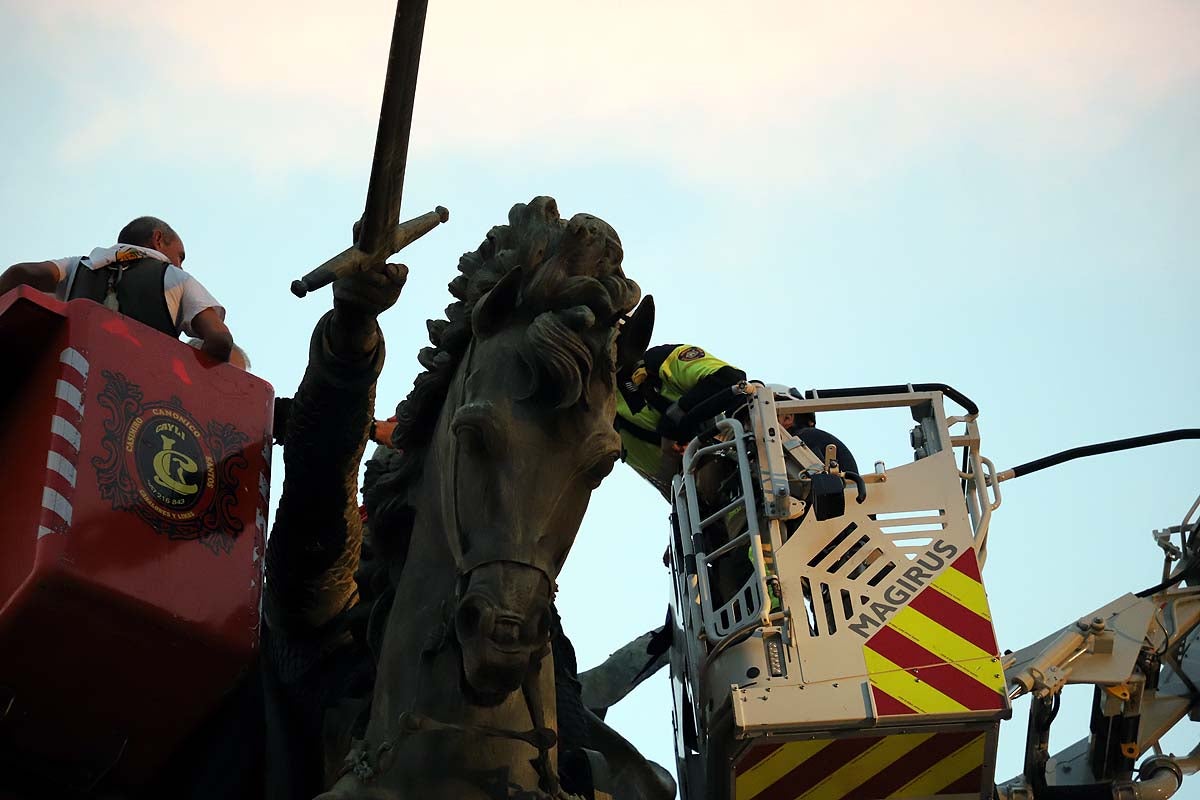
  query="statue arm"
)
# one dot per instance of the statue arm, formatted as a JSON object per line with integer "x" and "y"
{"x": 316, "y": 540}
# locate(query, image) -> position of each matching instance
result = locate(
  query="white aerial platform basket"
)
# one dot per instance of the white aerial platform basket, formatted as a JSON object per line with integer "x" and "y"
{"x": 852, "y": 656}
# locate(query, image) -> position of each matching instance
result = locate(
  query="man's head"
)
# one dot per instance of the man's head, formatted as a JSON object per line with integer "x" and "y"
{"x": 152, "y": 232}
{"x": 791, "y": 421}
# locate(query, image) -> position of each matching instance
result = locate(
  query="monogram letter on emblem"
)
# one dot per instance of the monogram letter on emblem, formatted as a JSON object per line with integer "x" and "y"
{"x": 170, "y": 467}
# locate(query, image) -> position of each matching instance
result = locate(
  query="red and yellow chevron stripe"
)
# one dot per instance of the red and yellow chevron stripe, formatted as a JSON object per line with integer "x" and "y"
{"x": 910, "y": 765}
{"x": 938, "y": 654}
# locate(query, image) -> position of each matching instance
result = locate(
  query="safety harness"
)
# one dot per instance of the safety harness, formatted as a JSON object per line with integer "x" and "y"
{"x": 639, "y": 390}
{"x": 135, "y": 288}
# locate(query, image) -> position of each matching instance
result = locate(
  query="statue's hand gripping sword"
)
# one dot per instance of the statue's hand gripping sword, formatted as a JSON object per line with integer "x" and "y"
{"x": 378, "y": 234}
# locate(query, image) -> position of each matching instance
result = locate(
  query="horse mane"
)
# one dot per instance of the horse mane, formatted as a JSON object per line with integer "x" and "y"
{"x": 570, "y": 307}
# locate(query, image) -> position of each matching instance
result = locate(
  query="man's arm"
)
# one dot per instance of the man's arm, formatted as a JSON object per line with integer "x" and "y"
{"x": 382, "y": 430}
{"x": 698, "y": 376}
{"x": 218, "y": 341}
{"x": 41, "y": 275}
{"x": 712, "y": 382}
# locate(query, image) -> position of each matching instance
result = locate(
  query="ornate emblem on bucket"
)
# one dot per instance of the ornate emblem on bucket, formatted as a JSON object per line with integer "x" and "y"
{"x": 159, "y": 463}
{"x": 175, "y": 468}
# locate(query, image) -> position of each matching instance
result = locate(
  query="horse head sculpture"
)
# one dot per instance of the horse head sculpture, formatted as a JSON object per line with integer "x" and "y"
{"x": 504, "y": 437}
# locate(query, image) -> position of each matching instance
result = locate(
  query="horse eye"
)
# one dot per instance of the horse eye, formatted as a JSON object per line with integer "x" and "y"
{"x": 471, "y": 436}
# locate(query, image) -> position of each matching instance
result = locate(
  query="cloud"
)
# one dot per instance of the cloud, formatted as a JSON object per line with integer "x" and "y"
{"x": 776, "y": 91}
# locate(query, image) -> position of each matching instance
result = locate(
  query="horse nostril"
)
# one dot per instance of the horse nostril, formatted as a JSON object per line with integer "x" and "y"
{"x": 472, "y": 617}
{"x": 468, "y": 618}
{"x": 537, "y": 630}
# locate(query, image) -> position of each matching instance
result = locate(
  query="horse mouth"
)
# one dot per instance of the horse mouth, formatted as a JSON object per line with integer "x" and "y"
{"x": 492, "y": 672}
{"x": 503, "y": 658}
{"x": 507, "y": 651}
{"x": 502, "y": 624}
{"x": 496, "y": 658}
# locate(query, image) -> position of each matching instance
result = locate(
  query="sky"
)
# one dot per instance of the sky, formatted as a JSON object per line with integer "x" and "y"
{"x": 1001, "y": 197}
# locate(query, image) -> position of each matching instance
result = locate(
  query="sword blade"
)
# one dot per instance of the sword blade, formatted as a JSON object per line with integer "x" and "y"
{"x": 384, "y": 192}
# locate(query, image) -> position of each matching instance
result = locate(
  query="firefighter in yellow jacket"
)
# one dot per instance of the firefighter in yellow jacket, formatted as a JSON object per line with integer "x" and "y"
{"x": 652, "y": 405}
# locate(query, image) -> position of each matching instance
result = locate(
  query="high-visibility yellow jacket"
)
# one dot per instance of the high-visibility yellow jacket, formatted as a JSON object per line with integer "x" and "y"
{"x": 667, "y": 374}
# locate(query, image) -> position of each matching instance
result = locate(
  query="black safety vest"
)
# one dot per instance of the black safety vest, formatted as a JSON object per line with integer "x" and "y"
{"x": 140, "y": 288}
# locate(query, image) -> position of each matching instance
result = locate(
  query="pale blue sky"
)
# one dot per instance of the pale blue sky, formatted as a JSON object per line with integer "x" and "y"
{"x": 1000, "y": 199}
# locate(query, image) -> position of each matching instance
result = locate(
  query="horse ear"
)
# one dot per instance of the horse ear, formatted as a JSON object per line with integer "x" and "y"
{"x": 493, "y": 308}
{"x": 634, "y": 336}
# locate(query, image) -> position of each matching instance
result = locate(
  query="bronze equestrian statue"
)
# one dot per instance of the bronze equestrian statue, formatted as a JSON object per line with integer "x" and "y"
{"x": 418, "y": 664}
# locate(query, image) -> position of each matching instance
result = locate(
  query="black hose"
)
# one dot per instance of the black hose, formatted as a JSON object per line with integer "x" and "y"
{"x": 859, "y": 483}
{"x": 1104, "y": 447}
{"x": 897, "y": 388}
{"x": 1186, "y": 570}
{"x": 1161, "y": 587}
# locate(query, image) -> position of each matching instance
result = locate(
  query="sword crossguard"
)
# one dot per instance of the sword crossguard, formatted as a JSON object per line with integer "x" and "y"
{"x": 353, "y": 260}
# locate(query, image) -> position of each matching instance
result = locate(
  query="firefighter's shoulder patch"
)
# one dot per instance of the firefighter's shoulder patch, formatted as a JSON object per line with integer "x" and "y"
{"x": 691, "y": 354}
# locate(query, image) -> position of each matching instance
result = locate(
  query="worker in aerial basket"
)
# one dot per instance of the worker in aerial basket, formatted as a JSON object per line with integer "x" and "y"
{"x": 653, "y": 401}
{"x": 656, "y": 394}
{"x": 804, "y": 427}
{"x": 140, "y": 276}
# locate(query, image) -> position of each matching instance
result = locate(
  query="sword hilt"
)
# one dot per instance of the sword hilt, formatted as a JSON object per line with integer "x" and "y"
{"x": 352, "y": 260}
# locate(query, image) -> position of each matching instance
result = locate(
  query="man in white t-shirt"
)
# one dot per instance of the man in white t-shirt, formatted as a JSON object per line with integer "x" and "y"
{"x": 141, "y": 277}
